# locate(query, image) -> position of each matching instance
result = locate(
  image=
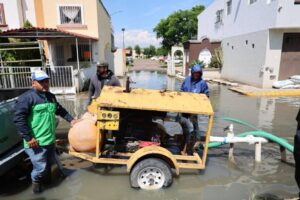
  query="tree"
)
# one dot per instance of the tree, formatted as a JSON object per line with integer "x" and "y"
{"x": 150, "y": 51}
{"x": 178, "y": 27}
{"x": 129, "y": 48}
{"x": 137, "y": 49}
{"x": 161, "y": 51}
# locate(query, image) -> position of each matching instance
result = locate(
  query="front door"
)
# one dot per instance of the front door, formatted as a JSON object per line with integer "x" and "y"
{"x": 290, "y": 56}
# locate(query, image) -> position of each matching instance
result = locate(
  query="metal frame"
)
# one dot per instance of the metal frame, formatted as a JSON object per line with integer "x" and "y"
{"x": 177, "y": 161}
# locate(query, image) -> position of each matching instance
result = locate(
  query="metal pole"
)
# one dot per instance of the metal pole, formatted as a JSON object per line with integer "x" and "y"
{"x": 78, "y": 66}
{"x": 90, "y": 43}
{"x": 123, "y": 29}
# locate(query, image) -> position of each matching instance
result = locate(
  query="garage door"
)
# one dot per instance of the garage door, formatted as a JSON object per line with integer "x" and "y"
{"x": 290, "y": 56}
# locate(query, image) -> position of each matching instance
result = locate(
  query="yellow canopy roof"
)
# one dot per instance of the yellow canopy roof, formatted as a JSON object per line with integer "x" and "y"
{"x": 145, "y": 99}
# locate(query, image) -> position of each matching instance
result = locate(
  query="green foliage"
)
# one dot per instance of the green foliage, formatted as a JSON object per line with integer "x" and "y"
{"x": 129, "y": 48}
{"x": 27, "y": 24}
{"x": 137, "y": 49}
{"x": 196, "y": 62}
{"x": 217, "y": 59}
{"x": 161, "y": 51}
{"x": 150, "y": 51}
{"x": 178, "y": 27}
{"x": 15, "y": 55}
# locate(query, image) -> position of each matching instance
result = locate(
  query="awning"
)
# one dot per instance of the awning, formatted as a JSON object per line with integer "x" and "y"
{"x": 42, "y": 34}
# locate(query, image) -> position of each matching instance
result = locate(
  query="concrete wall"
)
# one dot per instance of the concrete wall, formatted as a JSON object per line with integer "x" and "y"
{"x": 243, "y": 62}
{"x": 243, "y": 19}
{"x": 196, "y": 47}
{"x": 119, "y": 63}
{"x": 17, "y": 12}
{"x": 12, "y": 13}
{"x": 288, "y": 14}
{"x": 28, "y": 7}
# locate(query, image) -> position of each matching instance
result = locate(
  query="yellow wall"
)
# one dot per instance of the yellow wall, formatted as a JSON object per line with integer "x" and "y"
{"x": 51, "y": 16}
{"x": 95, "y": 19}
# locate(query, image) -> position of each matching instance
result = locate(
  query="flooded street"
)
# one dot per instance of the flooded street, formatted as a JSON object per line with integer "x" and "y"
{"x": 221, "y": 179}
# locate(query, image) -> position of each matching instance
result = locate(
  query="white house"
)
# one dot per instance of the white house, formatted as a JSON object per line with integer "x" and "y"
{"x": 260, "y": 38}
{"x": 14, "y": 13}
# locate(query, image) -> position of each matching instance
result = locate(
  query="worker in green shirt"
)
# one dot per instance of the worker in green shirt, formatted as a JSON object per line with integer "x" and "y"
{"x": 34, "y": 119}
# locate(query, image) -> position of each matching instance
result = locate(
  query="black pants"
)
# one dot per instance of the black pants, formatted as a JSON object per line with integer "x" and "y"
{"x": 297, "y": 156}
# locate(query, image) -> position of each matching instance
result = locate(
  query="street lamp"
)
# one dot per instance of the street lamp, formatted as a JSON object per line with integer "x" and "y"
{"x": 123, "y": 30}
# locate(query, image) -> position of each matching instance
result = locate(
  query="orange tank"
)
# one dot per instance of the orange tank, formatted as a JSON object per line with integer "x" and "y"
{"x": 82, "y": 136}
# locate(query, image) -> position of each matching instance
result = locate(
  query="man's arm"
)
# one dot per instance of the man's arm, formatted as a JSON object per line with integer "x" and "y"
{"x": 91, "y": 91}
{"x": 22, "y": 111}
{"x": 205, "y": 88}
{"x": 182, "y": 89}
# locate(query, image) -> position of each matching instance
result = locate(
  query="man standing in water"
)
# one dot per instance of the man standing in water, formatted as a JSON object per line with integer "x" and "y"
{"x": 35, "y": 120}
{"x": 104, "y": 76}
{"x": 297, "y": 152}
{"x": 194, "y": 84}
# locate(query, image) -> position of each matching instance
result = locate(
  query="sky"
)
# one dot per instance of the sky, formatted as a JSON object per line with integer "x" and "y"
{"x": 139, "y": 17}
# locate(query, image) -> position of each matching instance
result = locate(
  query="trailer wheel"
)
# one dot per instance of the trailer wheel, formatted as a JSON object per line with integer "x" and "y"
{"x": 151, "y": 174}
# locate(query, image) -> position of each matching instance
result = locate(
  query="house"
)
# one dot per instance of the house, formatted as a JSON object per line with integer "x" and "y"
{"x": 260, "y": 39}
{"x": 75, "y": 33}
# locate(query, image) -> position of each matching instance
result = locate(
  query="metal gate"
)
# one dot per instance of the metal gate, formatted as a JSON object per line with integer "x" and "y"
{"x": 61, "y": 78}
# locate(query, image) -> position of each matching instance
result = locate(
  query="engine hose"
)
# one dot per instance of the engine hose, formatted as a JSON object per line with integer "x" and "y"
{"x": 257, "y": 133}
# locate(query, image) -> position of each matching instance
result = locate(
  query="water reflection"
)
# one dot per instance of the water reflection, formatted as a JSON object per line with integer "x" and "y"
{"x": 243, "y": 179}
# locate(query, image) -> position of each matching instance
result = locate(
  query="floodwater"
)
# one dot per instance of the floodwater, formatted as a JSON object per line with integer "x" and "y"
{"x": 222, "y": 179}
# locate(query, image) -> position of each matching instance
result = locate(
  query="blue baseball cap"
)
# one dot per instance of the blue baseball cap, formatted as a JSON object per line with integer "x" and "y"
{"x": 39, "y": 75}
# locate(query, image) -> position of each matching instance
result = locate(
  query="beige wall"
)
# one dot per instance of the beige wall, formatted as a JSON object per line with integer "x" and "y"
{"x": 96, "y": 23}
{"x": 51, "y": 16}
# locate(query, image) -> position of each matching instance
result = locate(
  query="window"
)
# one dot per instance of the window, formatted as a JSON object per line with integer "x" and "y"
{"x": 229, "y": 7}
{"x": 2, "y": 15}
{"x": 219, "y": 16}
{"x": 84, "y": 53}
{"x": 70, "y": 14}
{"x": 252, "y": 1}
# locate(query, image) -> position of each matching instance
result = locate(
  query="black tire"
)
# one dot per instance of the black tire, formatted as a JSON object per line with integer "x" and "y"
{"x": 151, "y": 174}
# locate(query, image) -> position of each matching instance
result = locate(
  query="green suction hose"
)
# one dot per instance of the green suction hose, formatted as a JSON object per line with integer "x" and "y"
{"x": 257, "y": 133}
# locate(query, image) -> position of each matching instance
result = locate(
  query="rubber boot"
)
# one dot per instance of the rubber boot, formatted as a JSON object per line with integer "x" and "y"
{"x": 36, "y": 187}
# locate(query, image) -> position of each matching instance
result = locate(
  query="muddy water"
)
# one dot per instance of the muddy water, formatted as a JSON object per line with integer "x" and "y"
{"x": 222, "y": 179}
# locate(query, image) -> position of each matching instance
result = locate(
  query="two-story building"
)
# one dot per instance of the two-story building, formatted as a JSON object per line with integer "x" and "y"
{"x": 260, "y": 38}
{"x": 76, "y": 33}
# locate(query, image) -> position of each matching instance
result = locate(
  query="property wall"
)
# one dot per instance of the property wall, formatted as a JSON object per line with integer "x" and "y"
{"x": 288, "y": 14}
{"x": 12, "y": 13}
{"x": 244, "y": 58}
{"x": 105, "y": 39}
{"x": 244, "y": 18}
{"x": 28, "y": 7}
{"x": 90, "y": 26}
{"x": 273, "y": 57}
{"x": 96, "y": 24}
{"x": 196, "y": 48}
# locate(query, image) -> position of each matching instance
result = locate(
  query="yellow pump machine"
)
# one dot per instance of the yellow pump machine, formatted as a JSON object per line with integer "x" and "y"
{"x": 150, "y": 166}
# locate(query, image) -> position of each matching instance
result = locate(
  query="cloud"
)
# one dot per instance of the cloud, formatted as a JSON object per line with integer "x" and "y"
{"x": 134, "y": 37}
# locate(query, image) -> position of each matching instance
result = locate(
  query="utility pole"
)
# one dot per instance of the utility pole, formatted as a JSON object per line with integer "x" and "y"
{"x": 123, "y": 30}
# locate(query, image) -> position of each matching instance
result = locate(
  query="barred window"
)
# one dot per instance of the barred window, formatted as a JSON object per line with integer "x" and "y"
{"x": 70, "y": 14}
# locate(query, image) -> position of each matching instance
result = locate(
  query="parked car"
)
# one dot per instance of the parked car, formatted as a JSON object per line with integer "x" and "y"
{"x": 11, "y": 147}
{"x": 176, "y": 61}
{"x": 154, "y": 58}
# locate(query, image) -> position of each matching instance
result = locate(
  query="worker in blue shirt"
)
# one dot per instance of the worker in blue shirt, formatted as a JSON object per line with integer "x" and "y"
{"x": 194, "y": 84}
